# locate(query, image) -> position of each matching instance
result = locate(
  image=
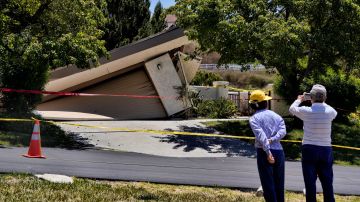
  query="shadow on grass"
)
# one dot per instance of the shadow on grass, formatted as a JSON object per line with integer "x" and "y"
{"x": 231, "y": 147}
{"x": 18, "y": 134}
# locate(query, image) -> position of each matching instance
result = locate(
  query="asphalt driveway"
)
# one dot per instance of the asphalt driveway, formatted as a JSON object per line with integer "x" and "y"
{"x": 110, "y": 136}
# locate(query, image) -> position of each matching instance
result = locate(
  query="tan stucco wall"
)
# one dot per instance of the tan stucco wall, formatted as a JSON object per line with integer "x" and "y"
{"x": 167, "y": 82}
{"x": 211, "y": 93}
{"x": 135, "y": 82}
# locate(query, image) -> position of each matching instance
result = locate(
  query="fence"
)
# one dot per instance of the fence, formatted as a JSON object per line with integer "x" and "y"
{"x": 241, "y": 100}
{"x": 235, "y": 97}
{"x": 233, "y": 67}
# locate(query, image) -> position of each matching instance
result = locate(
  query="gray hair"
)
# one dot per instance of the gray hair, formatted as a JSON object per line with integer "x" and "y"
{"x": 318, "y": 93}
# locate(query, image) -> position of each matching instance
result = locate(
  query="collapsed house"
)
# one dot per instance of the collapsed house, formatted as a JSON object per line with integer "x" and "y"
{"x": 154, "y": 66}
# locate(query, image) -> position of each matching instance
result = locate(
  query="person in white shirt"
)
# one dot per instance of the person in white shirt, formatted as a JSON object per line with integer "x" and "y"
{"x": 317, "y": 156}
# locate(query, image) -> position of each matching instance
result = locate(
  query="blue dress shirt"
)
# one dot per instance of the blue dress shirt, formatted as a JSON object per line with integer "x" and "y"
{"x": 267, "y": 125}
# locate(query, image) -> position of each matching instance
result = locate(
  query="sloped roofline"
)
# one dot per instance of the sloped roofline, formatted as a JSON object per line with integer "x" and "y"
{"x": 122, "y": 58}
{"x": 123, "y": 51}
{"x": 146, "y": 43}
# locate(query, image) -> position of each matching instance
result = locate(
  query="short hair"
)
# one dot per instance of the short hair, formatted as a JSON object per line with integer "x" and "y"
{"x": 318, "y": 93}
{"x": 259, "y": 105}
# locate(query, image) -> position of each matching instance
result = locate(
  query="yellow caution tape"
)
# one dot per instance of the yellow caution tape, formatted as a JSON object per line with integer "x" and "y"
{"x": 162, "y": 132}
{"x": 345, "y": 147}
{"x": 8, "y": 119}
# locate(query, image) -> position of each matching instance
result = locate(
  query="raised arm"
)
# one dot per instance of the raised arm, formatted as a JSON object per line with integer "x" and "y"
{"x": 295, "y": 109}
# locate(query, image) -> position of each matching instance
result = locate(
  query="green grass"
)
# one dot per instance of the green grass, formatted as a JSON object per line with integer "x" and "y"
{"x": 347, "y": 135}
{"x": 21, "y": 187}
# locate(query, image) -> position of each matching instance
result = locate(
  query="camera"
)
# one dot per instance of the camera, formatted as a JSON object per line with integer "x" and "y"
{"x": 307, "y": 96}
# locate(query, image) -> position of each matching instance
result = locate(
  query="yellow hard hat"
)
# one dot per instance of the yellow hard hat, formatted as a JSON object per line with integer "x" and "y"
{"x": 258, "y": 96}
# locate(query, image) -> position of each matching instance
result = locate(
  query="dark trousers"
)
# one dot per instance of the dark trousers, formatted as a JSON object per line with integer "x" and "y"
{"x": 317, "y": 161}
{"x": 272, "y": 175}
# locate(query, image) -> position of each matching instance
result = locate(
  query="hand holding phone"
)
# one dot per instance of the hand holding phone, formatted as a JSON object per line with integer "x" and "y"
{"x": 307, "y": 96}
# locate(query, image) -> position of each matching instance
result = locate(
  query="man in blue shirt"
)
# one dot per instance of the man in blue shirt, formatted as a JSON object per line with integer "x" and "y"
{"x": 268, "y": 128}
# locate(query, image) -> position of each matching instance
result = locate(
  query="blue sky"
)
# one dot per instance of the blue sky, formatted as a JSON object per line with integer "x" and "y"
{"x": 164, "y": 3}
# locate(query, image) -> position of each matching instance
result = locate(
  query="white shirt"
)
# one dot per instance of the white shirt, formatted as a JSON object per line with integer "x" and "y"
{"x": 317, "y": 122}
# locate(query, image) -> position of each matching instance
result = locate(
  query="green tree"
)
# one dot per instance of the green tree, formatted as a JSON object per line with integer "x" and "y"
{"x": 157, "y": 19}
{"x": 39, "y": 35}
{"x": 155, "y": 24}
{"x": 339, "y": 85}
{"x": 298, "y": 38}
{"x": 125, "y": 19}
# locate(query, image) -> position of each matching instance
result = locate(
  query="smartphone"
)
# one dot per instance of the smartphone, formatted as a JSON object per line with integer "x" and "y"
{"x": 307, "y": 96}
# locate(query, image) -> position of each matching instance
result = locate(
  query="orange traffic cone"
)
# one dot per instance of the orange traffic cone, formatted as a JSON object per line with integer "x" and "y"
{"x": 35, "y": 143}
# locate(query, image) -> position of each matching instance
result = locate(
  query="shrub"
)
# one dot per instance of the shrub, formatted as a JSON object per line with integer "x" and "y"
{"x": 354, "y": 118}
{"x": 347, "y": 135}
{"x": 204, "y": 78}
{"x": 32, "y": 75}
{"x": 255, "y": 79}
{"x": 220, "y": 108}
